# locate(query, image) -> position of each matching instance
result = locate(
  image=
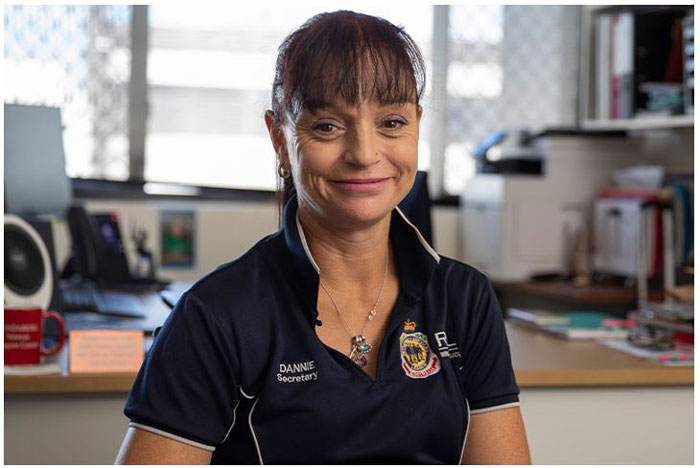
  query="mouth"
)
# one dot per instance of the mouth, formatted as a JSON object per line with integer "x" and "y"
{"x": 361, "y": 185}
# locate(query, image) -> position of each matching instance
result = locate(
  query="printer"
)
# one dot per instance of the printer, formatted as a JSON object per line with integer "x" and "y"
{"x": 532, "y": 195}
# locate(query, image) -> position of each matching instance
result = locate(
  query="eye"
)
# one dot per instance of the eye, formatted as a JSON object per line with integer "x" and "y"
{"x": 393, "y": 123}
{"x": 325, "y": 127}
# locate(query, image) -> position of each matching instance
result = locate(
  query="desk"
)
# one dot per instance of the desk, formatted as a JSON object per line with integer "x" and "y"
{"x": 539, "y": 360}
{"x": 155, "y": 312}
{"x": 582, "y": 403}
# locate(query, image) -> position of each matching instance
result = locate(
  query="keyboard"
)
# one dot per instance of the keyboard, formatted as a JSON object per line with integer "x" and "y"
{"x": 86, "y": 297}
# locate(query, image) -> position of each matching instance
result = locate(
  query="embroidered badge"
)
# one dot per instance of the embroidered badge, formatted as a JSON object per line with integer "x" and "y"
{"x": 417, "y": 359}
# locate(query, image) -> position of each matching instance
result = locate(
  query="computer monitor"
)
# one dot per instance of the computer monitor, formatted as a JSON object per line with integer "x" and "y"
{"x": 35, "y": 170}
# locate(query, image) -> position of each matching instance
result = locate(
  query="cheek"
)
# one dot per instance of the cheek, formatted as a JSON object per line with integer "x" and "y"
{"x": 405, "y": 156}
{"x": 405, "y": 159}
{"x": 313, "y": 161}
{"x": 297, "y": 156}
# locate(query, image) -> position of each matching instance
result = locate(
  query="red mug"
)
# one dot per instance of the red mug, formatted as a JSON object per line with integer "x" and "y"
{"x": 24, "y": 330}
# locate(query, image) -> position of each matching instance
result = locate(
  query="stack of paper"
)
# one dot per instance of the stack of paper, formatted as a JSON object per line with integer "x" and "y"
{"x": 50, "y": 368}
{"x": 675, "y": 358}
{"x": 582, "y": 325}
{"x": 588, "y": 326}
{"x": 537, "y": 317}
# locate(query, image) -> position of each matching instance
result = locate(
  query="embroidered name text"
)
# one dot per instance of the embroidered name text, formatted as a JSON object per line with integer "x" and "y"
{"x": 301, "y": 372}
{"x": 297, "y": 367}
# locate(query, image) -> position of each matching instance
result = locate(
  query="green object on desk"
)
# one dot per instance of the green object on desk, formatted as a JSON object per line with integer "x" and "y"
{"x": 587, "y": 319}
{"x": 587, "y": 325}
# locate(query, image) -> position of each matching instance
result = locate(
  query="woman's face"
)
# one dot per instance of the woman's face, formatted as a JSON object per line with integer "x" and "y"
{"x": 353, "y": 163}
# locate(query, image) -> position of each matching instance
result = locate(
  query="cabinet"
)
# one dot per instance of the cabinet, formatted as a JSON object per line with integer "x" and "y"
{"x": 637, "y": 67}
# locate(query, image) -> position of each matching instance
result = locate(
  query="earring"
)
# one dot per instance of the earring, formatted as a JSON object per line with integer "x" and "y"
{"x": 283, "y": 172}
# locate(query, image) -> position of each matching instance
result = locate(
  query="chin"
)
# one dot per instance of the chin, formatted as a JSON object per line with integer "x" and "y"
{"x": 362, "y": 212}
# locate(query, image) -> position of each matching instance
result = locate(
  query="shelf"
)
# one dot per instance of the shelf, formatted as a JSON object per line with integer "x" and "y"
{"x": 643, "y": 123}
{"x": 597, "y": 9}
{"x": 635, "y": 49}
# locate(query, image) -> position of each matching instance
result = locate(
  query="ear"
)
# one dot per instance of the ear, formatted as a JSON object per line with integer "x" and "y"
{"x": 419, "y": 112}
{"x": 277, "y": 138}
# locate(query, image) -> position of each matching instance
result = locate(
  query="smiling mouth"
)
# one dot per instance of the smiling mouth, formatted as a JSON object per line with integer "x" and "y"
{"x": 361, "y": 185}
{"x": 361, "y": 181}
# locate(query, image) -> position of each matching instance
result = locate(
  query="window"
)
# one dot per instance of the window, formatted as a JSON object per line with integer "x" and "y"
{"x": 474, "y": 86}
{"x": 210, "y": 71}
{"x": 77, "y": 58}
{"x": 510, "y": 67}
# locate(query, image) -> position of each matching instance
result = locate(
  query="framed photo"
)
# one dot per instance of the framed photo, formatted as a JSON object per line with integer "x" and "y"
{"x": 177, "y": 239}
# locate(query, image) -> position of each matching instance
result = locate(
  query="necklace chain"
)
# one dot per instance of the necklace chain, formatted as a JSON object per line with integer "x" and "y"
{"x": 359, "y": 345}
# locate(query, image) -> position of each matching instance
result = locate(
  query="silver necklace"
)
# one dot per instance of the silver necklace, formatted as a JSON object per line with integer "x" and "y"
{"x": 360, "y": 346}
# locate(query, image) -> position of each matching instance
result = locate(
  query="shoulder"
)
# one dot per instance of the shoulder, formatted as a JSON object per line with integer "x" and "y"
{"x": 466, "y": 291}
{"x": 244, "y": 270}
{"x": 237, "y": 282}
{"x": 460, "y": 276}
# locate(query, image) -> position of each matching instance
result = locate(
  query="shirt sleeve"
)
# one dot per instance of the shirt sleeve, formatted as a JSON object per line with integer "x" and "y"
{"x": 186, "y": 387}
{"x": 486, "y": 373}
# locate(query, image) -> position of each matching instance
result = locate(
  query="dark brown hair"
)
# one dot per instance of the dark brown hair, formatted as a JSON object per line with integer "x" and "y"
{"x": 344, "y": 55}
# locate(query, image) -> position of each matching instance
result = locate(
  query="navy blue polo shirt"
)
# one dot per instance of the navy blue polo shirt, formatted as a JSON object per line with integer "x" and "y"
{"x": 238, "y": 368}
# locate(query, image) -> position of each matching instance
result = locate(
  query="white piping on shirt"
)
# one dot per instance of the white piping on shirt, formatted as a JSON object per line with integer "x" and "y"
{"x": 466, "y": 433}
{"x": 255, "y": 439}
{"x": 245, "y": 394}
{"x": 143, "y": 427}
{"x": 423, "y": 242}
{"x": 250, "y": 422}
{"x": 497, "y": 407}
{"x": 306, "y": 246}
{"x": 233, "y": 423}
{"x": 420, "y": 237}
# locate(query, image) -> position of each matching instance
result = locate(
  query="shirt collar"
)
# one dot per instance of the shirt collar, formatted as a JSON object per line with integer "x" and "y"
{"x": 415, "y": 259}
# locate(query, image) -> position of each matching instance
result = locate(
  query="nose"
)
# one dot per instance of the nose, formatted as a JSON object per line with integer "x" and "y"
{"x": 362, "y": 148}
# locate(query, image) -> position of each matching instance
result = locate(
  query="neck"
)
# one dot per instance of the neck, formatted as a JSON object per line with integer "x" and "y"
{"x": 349, "y": 259}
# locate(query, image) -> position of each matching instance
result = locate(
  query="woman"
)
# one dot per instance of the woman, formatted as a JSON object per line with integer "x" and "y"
{"x": 343, "y": 337}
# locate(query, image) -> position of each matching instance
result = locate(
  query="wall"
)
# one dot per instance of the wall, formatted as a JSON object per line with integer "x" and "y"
{"x": 224, "y": 230}
{"x": 609, "y": 425}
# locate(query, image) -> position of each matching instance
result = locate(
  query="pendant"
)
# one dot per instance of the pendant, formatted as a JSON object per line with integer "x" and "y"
{"x": 359, "y": 349}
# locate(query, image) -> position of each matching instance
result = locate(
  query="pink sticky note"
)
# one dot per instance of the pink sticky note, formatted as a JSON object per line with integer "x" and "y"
{"x": 105, "y": 351}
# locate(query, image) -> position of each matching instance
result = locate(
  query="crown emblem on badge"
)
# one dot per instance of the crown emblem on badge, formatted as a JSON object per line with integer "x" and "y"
{"x": 409, "y": 326}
